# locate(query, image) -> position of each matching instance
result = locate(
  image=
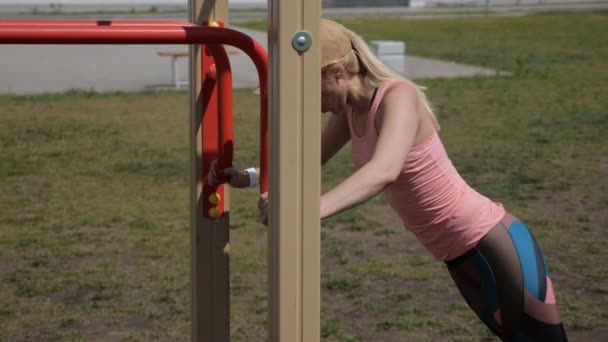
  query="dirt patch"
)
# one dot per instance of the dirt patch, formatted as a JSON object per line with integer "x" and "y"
{"x": 585, "y": 203}
{"x": 595, "y": 335}
{"x": 73, "y": 297}
{"x": 7, "y": 266}
{"x": 80, "y": 262}
{"x": 100, "y": 329}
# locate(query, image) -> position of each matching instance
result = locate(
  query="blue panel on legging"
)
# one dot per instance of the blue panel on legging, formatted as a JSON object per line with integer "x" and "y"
{"x": 524, "y": 246}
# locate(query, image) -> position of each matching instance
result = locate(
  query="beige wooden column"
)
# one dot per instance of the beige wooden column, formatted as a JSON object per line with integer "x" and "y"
{"x": 209, "y": 265}
{"x": 295, "y": 125}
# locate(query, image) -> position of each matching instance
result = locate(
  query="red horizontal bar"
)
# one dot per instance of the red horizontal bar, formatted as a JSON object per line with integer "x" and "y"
{"x": 148, "y": 34}
{"x": 79, "y": 22}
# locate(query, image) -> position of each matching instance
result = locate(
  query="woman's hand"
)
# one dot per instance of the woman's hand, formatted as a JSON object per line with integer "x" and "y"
{"x": 230, "y": 175}
{"x": 263, "y": 206}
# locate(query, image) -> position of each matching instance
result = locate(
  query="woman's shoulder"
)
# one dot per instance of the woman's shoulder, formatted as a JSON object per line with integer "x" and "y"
{"x": 396, "y": 97}
{"x": 396, "y": 92}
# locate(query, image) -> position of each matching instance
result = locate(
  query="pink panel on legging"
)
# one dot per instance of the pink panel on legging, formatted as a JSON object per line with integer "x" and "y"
{"x": 540, "y": 311}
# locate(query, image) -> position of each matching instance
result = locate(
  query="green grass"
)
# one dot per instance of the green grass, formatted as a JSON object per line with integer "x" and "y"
{"x": 94, "y": 197}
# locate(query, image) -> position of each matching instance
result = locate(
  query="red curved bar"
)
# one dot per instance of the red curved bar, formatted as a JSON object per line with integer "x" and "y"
{"x": 148, "y": 32}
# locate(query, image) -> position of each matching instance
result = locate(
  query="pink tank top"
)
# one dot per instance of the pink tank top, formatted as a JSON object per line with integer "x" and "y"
{"x": 447, "y": 216}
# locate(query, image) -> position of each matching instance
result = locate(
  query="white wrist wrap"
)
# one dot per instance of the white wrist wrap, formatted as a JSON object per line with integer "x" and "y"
{"x": 253, "y": 176}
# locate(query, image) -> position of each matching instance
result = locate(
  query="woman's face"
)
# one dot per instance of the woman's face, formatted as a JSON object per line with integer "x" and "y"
{"x": 334, "y": 90}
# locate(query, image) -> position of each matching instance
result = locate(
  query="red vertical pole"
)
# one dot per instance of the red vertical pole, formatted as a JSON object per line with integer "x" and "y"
{"x": 210, "y": 131}
{"x": 225, "y": 125}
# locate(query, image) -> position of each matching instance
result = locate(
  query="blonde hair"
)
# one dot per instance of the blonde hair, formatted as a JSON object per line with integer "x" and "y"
{"x": 362, "y": 61}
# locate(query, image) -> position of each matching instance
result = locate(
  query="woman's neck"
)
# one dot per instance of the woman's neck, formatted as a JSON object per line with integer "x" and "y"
{"x": 360, "y": 94}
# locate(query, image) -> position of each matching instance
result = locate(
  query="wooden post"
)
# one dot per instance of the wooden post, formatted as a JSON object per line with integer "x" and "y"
{"x": 295, "y": 138}
{"x": 209, "y": 257}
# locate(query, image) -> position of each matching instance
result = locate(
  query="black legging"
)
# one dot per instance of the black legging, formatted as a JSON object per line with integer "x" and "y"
{"x": 505, "y": 280}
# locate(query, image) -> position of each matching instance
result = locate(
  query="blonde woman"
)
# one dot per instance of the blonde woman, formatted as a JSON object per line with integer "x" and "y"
{"x": 492, "y": 256}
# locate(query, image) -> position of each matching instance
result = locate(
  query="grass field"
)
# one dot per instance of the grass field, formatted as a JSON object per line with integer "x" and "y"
{"x": 94, "y": 198}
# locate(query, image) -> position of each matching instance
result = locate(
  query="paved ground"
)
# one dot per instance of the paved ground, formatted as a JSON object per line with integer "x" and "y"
{"x": 32, "y": 69}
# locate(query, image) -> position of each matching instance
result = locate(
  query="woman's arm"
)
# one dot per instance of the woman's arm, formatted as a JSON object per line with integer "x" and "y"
{"x": 335, "y": 135}
{"x": 398, "y": 123}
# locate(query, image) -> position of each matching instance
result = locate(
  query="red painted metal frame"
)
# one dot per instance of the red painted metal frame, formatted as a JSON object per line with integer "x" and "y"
{"x": 216, "y": 113}
{"x": 165, "y": 32}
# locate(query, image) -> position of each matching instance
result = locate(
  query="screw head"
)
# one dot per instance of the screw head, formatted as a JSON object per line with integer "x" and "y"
{"x": 214, "y": 213}
{"x": 301, "y": 41}
{"x": 215, "y": 198}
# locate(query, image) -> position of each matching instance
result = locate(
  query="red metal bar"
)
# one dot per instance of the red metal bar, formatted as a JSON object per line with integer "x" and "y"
{"x": 210, "y": 134}
{"x": 224, "y": 81}
{"x": 151, "y": 32}
{"x": 218, "y": 134}
{"x": 88, "y": 22}
{"x": 15, "y": 33}
{"x": 95, "y": 34}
